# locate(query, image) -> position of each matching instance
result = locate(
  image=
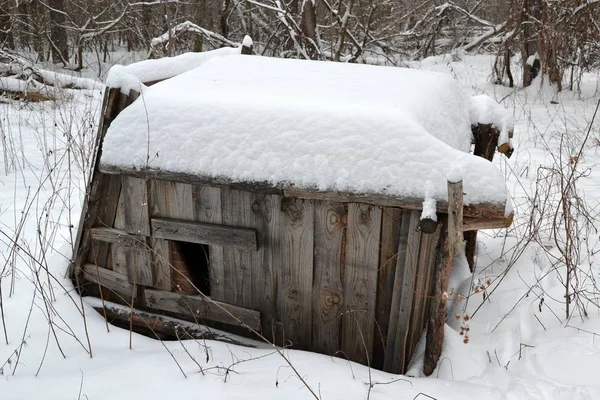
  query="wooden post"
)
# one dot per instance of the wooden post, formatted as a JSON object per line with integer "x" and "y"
{"x": 486, "y": 140}
{"x": 455, "y": 217}
{"x": 448, "y": 246}
{"x": 247, "y": 45}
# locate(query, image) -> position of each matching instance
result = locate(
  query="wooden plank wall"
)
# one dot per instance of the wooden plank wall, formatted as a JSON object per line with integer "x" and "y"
{"x": 351, "y": 280}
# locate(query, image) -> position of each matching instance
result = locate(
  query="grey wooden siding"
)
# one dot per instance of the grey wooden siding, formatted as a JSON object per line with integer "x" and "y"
{"x": 344, "y": 279}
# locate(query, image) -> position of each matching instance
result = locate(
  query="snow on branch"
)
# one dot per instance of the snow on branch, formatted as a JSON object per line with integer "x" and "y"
{"x": 188, "y": 27}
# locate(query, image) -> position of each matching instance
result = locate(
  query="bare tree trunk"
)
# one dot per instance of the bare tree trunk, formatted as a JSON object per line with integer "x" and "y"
{"x": 531, "y": 67}
{"x": 200, "y": 21}
{"x": 6, "y": 25}
{"x": 308, "y": 24}
{"x": 58, "y": 32}
{"x": 224, "y": 17}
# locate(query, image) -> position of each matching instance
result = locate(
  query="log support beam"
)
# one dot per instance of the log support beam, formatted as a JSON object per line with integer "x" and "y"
{"x": 450, "y": 243}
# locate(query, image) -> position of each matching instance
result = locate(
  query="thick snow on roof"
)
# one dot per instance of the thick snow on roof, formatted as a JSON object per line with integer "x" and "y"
{"x": 132, "y": 76}
{"x": 329, "y": 126}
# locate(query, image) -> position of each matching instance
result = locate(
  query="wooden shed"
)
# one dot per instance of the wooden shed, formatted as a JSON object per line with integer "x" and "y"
{"x": 226, "y": 196}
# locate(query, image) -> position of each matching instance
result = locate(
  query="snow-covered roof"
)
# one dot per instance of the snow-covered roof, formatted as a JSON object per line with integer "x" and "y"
{"x": 320, "y": 125}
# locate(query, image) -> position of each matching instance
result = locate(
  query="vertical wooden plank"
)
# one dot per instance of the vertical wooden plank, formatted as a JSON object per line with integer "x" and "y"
{"x": 296, "y": 271}
{"x": 132, "y": 216}
{"x": 237, "y": 274}
{"x": 207, "y": 208}
{"x": 171, "y": 200}
{"x": 421, "y": 290}
{"x": 397, "y": 287}
{"x": 401, "y": 358}
{"x": 93, "y": 193}
{"x": 110, "y": 188}
{"x": 133, "y": 261}
{"x": 360, "y": 281}
{"x": 388, "y": 252}
{"x": 264, "y": 274}
{"x": 328, "y": 299}
{"x": 399, "y": 325}
{"x": 134, "y": 203}
{"x": 161, "y": 264}
{"x": 168, "y": 200}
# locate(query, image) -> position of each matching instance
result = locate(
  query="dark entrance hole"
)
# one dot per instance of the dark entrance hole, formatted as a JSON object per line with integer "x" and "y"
{"x": 191, "y": 262}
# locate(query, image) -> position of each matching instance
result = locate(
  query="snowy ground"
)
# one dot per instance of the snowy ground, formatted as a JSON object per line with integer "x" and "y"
{"x": 521, "y": 345}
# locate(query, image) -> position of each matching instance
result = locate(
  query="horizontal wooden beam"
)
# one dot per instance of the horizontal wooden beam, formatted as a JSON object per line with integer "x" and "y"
{"x": 482, "y": 210}
{"x": 196, "y": 232}
{"x": 198, "y": 308}
{"x": 112, "y": 235}
{"x": 109, "y": 279}
{"x": 193, "y": 179}
{"x": 475, "y": 224}
{"x": 160, "y": 326}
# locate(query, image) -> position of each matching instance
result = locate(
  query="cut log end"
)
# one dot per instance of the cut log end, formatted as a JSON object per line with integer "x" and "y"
{"x": 505, "y": 149}
{"x": 428, "y": 225}
{"x": 509, "y": 220}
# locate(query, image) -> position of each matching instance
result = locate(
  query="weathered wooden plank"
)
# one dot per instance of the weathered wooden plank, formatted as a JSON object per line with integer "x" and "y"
{"x": 192, "y": 179}
{"x": 481, "y": 210}
{"x": 390, "y": 237}
{"x": 237, "y": 211}
{"x": 119, "y": 258}
{"x": 134, "y": 202}
{"x": 105, "y": 217}
{"x": 196, "y": 232}
{"x": 264, "y": 272}
{"x": 107, "y": 209}
{"x": 161, "y": 264}
{"x": 207, "y": 208}
{"x": 92, "y": 194}
{"x": 395, "y": 304}
{"x": 421, "y": 293}
{"x": 171, "y": 200}
{"x": 198, "y": 308}
{"x": 112, "y": 280}
{"x": 112, "y": 235}
{"x": 168, "y": 200}
{"x": 295, "y": 274}
{"x": 360, "y": 281}
{"x": 328, "y": 299}
{"x": 158, "y": 326}
{"x": 404, "y": 297}
{"x": 134, "y": 261}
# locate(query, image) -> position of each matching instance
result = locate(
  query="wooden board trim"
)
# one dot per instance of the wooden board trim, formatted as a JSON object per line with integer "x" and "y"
{"x": 481, "y": 210}
{"x": 109, "y": 279}
{"x": 193, "y": 179}
{"x": 201, "y": 308}
{"x": 197, "y": 232}
{"x": 112, "y": 235}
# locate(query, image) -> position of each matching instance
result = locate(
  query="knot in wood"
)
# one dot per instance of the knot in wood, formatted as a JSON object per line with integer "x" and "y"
{"x": 255, "y": 207}
{"x": 335, "y": 299}
{"x": 364, "y": 218}
{"x": 333, "y": 219}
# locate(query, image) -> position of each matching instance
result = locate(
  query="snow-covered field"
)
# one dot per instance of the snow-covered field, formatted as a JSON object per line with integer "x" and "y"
{"x": 520, "y": 343}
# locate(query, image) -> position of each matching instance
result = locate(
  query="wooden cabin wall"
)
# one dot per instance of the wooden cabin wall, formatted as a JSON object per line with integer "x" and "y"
{"x": 351, "y": 280}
